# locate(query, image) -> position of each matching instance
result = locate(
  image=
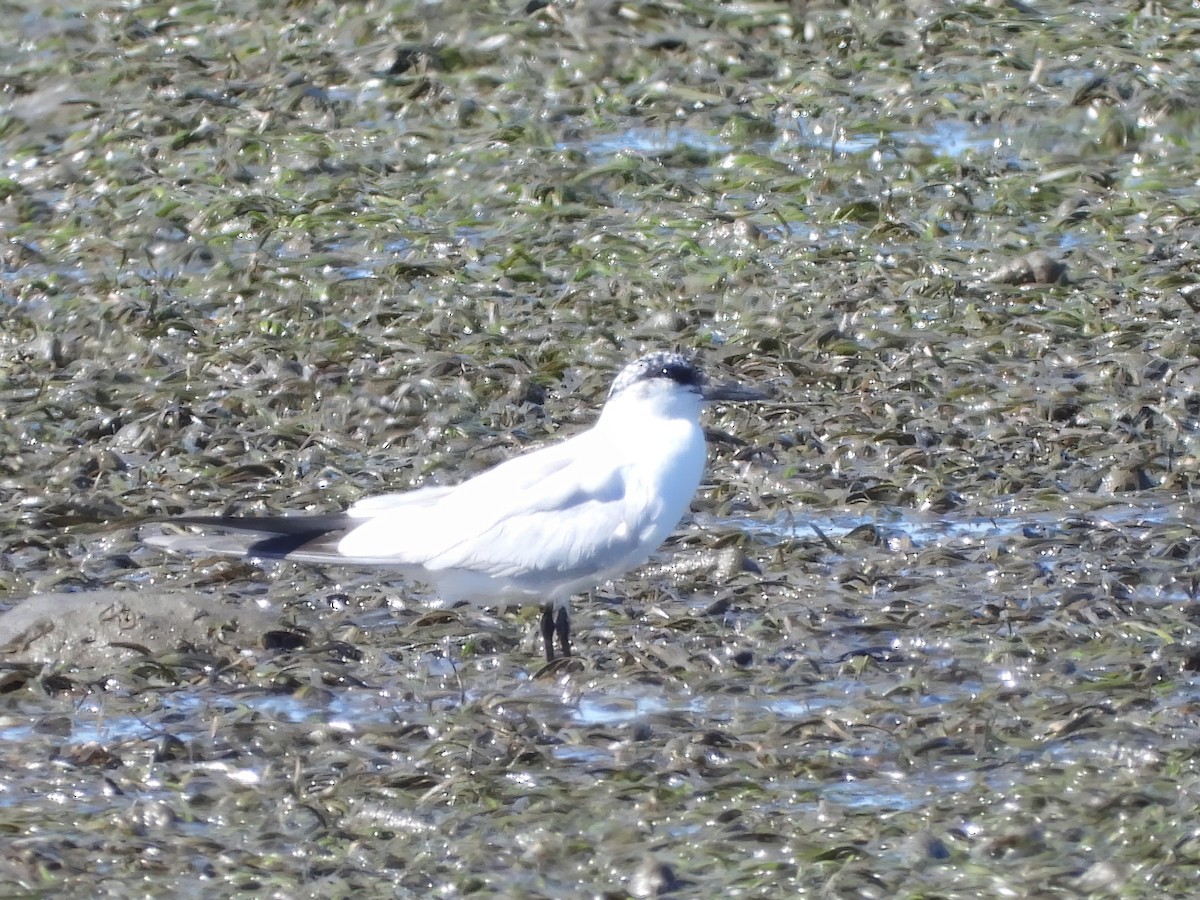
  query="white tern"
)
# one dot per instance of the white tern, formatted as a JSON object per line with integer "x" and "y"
{"x": 537, "y": 528}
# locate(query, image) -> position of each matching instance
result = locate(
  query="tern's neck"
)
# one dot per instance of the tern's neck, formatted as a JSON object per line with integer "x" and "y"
{"x": 658, "y": 441}
{"x": 645, "y": 415}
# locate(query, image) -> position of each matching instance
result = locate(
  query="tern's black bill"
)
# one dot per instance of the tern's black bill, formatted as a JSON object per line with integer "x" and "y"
{"x": 732, "y": 392}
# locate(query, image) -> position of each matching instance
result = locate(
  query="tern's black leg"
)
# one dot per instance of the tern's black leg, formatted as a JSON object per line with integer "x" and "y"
{"x": 548, "y": 630}
{"x": 562, "y": 626}
{"x": 556, "y": 623}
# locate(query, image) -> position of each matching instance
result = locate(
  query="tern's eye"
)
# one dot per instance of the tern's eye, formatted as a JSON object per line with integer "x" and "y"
{"x": 682, "y": 373}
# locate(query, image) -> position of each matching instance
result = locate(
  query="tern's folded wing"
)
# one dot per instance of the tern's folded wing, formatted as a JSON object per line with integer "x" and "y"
{"x": 405, "y": 528}
{"x": 579, "y": 515}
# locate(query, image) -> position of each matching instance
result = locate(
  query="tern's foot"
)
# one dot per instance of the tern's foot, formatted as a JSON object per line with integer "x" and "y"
{"x": 561, "y": 665}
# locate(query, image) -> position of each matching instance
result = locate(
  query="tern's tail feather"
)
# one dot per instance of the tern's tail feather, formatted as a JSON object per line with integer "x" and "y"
{"x": 300, "y": 538}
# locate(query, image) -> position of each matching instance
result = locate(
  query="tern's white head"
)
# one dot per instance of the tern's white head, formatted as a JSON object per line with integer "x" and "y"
{"x": 669, "y": 385}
